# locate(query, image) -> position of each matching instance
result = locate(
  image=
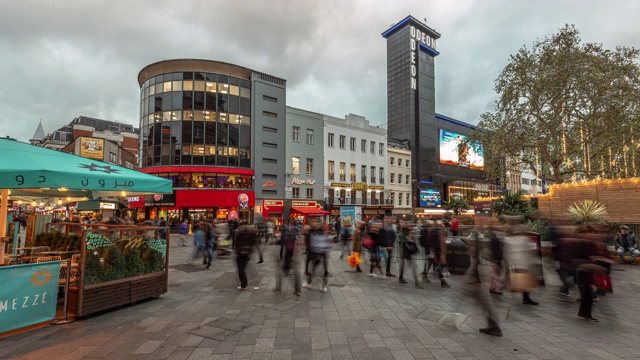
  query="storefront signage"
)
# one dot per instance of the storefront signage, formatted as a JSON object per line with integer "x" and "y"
{"x": 359, "y": 186}
{"x": 376, "y": 187}
{"x": 92, "y": 148}
{"x": 243, "y": 200}
{"x": 418, "y": 36}
{"x": 160, "y": 200}
{"x": 29, "y": 294}
{"x": 273, "y": 203}
{"x": 304, "y": 204}
{"x": 482, "y": 209}
{"x": 297, "y": 181}
{"x": 133, "y": 198}
{"x": 269, "y": 183}
{"x": 339, "y": 185}
{"x": 288, "y": 188}
{"x": 107, "y": 206}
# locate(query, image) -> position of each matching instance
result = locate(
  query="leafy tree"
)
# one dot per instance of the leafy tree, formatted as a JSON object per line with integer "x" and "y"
{"x": 456, "y": 204}
{"x": 513, "y": 204}
{"x": 566, "y": 110}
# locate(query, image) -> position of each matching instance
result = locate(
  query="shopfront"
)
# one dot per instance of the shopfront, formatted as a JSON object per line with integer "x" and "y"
{"x": 305, "y": 211}
{"x": 272, "y": 210}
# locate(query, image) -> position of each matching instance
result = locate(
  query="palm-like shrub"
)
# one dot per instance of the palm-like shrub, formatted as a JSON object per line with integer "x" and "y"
{"x": 457, "y": 205}
{"x": 587, "y": 212}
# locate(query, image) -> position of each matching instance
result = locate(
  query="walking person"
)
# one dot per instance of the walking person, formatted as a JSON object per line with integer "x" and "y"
{"x": 408, "y": 248}
{"x": 244, "y": 243}
{"x": 438, "y": 248}
{"x": 346, "y": 235}
{"x": 200, "y": 241}
{"x": 319, "y": 246}
{"x": 210, "y": 243}
{"x": 427, "y": 227}
{"x": 288, "y": 238}
{"x": 387, "y": 236}
{"x": 270, "y": 232}
{"x": 374, "y": 233}
{"x": 358, "y": 234}
{"x": 183, "y": 230}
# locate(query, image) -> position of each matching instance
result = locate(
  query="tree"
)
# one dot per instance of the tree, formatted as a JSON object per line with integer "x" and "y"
{"x": 565, "y": 110}
{"x": 512, "y": 204}
{"x": 456, "y": 204}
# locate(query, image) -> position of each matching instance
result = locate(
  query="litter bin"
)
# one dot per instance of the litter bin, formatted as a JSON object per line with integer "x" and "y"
{"x": 458, "y": 255}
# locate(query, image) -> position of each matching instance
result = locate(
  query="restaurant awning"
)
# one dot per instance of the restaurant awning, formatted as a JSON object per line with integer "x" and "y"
{"x": 310, "y": 211}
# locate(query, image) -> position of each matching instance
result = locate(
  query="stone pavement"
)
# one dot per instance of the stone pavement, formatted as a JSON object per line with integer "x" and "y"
{"x": 203, "y": 316}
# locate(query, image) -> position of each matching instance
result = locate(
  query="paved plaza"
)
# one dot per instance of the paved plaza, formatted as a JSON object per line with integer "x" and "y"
{"x": 203, "y": 316}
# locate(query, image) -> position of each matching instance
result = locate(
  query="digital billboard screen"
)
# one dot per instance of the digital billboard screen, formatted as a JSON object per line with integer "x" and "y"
{"x": 430, "y": 198}
{"x": 455, "y": 149}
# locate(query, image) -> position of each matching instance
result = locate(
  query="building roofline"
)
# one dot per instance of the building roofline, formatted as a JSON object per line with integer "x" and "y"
{"x": 410, "y": 19}
{"x": 457, "y": 122}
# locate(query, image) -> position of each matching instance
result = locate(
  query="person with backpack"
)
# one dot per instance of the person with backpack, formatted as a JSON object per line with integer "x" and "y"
{"x": 288, "y": 237}
{"x": 244, "y": 243}
{"x": 319, "y": 248}
{"x": 408, "y": 248}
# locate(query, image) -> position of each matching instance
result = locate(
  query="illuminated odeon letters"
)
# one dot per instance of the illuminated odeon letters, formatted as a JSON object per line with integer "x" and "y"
{"x": 417, "y": 35}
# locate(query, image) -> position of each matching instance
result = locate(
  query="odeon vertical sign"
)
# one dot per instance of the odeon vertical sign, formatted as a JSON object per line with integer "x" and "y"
{"x": 419, "y": 39}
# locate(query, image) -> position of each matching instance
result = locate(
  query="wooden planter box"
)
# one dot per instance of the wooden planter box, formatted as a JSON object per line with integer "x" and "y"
{"x": 113, "y": 294}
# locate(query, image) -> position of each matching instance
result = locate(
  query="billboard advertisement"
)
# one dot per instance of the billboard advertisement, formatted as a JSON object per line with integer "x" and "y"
{"x": 92, "y": 148}
{"x": 430, "y": 198}
{"x": 456, "y": 150}
{"x": 351, "y": 213}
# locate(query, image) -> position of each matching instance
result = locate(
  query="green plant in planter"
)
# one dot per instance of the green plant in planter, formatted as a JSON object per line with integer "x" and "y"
{"x": 57, "y": 240}
{"x": 133, "y": 261}
{"x": 587, "y": 212}
{"x": 94, "y": 271}
{"x": 73, "y": 241}
{"x": 153, "y": 261}
{"x": 115, "y": 264}
{"x": 44, "y": 239}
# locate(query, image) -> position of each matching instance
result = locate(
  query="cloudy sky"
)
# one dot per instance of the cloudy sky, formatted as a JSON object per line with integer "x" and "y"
{"x": 61, "y": 59}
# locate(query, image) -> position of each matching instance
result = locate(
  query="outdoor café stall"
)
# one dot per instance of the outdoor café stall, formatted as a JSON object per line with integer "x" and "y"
{"x": 33, "y": 171}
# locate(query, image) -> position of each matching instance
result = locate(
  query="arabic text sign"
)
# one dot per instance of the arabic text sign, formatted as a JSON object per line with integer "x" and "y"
{"x": 29, "y": 294}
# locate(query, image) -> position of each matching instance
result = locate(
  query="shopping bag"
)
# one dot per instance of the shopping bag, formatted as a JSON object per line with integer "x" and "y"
{"x": 522, "y": 281}
{"x": 368, "y": 242}
{"x": 602, "y": 282}
{"x": 354, "y": 260}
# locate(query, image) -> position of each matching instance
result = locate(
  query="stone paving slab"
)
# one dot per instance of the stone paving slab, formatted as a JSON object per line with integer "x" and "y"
{"x": 203, "y": 316}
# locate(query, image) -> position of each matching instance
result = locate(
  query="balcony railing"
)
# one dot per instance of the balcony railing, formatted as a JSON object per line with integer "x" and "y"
{"x": 357, "y": 201}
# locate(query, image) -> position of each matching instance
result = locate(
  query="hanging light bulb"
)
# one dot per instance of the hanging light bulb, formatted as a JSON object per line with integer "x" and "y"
{"x": 123, "y": 194}
{"x": 41, "y": 203}
{"x": 59, "y": 201}
{"x": 68, "y": 198}
{"x": 33, "y": 203}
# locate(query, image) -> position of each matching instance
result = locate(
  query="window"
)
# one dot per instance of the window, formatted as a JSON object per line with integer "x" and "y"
{"x": 310, "y": 193}
{"x": 269, "y": 98}
{"x": 381, "y": 149}
{"x": 296, "y": 134}
{"x": 399, "y": 162}
{"x": 406, "y": 163}
{"x": 310, "y": 136}
{"x": 330, "y": 140}
{"x": 267, "y": 161}
{"x": 381, "y": 175}
{"x": 309, "y": 167}
{"x": 392, "y": 177}
{"x": 373, "y": 147}
{"x": 270, "y": 114}
{"x": 392, "y": 198}
{"x": 342, "y": 140}
{"x": 269, "y": 129}
{"x": 270, "y": 145}
{"x": 269, "y": 176}
{"x": 406, "y": 179}
{"x": 363, "y": 173}
{"x": 525, "y": 181}
{"x": 352, "y": 172}
{"x": 373, "y": 174}
{"x": 399, "y": 178}
{"x": 392, "y": 161}
{"x": 113, "y": 158}
{"x": 407, "y": 198}
{"x": 331, "y": 170}
{"x": 352, "y": 144}
{"x": 295, "y": 193}
{"x": 342, "y": 175}
{"x": 363, "y": 145}
{"x": 295, "y": 165}
{"x": 400, "y": 199}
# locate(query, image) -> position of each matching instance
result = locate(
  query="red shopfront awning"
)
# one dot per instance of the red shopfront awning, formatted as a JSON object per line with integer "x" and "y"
{"x": 310, "y": 211}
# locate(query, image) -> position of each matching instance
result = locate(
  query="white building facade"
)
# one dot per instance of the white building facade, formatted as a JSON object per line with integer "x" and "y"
{"x": 355, "y": 167}
{"x": 399, "y": 181}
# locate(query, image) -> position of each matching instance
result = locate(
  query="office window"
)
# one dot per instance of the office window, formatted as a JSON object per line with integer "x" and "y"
{"x": 295, "y": 165}
{"x": 381, "y": 175}
{"x": 406, "y": 179}
{"x": 392, "y": 162}
{"x": 309, "y": 167}
{"x": 330, "y": 140}
{"x": 373, "y": 147}
{"x": 373, "y": 174}
{"x": 363, "y": 145}
{"x": 269, "y": 98}
{"x": 270, "y": 114}
{"x": 295, "y": 193}
{"x": 399, "y": 198}
{"x": 310, "y": 193}
{"x": 331, "y": 170}
{"x": 342, "y": 175}
{"x": 352, "y": 144}
{"x": 392, "y": 198}
{"x": 399, "y": 162}
{"x": 381, "y": 149}
{"x": 406, "y": 163}
{"x": 407, "y": 198}
{"x": 400, "y": 179}
{"x": 342, "y": 140}
{"x": 392, "y": 177}
{"x": 525, "y": 181}
{"x": 363, "y": 173}
{"x": 310, "y": 136}
{"x": 296, "y": 134}
{"x": 352, "y": 172}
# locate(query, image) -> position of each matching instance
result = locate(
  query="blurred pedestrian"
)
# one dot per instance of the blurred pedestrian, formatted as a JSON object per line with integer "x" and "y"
{"x": 319, "y": 247}
{"x": 408, "y": 248}
{"x": 346, "y": 236}
{"x": 358, "y": 234}
{"x": 244, "y": 243}
{"x": 183, "y": 230}
{"x": 387, "y": 236}
{"x": 288, "y": 257}
{"x": 438, "y": 249}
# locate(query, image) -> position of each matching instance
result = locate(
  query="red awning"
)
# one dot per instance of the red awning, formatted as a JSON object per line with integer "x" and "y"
{"x": 310, "y": 211}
